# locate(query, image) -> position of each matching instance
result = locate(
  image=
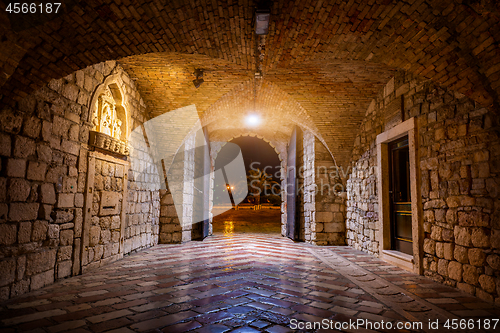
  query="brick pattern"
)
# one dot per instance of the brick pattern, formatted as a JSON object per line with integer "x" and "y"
{"x": 459, "y": 183}
{"x": 240, "y": 283}
{"x": 343, "y": 53}
{"x": 449, "y": 42}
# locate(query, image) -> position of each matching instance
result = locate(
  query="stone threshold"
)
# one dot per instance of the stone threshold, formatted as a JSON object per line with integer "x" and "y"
{"x": 398, "y": 259}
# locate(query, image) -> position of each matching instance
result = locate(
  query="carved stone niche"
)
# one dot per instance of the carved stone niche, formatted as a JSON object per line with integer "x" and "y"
{"x": 110, "y": 123}
{"x": 108, "y": 143}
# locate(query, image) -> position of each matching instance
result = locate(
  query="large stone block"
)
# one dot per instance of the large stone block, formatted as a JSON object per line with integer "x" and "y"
{"x": 5, "y": 144}
{"x": 19, "y": 288}
{"x": 40, "y": 280}
{"x": 21, "y": 211}
{"x": 94, "y": 235}
{"x": 115, "y": 222}
{"x": 64, "y": 269}
{"x": 70, "y": 147}
{"x": 63, "y": 216}
{"x": 32, "y": 127}
{"x": 334, "y": 227}
{"x": 455, "y": 271}
{"x": 19, "y": 190}
{"x": 69, "y": 184}
{"x": 439, "y": 250}
{"x": 53, "y": 231}
{"x": 105, "y": 222}
{"x": 70, "y": 91}
{"x": 47, "y": 194}
{"x": 10, "y": 122}
{"x": 495, "y": 239}
{"x": 476, "y": 257}
{"x": 16, "y": 167}
{"x": 105, "y": 236}
{"x": 78, "y": 221}
{"x": 436, "y": 233}
{"x": 480, "y": 237}
{"x": 443, "y": 267}
{"x": 494, "y": 261}
{"x": 66, "y": 237}
{"x": 23, "y": 147}
{"x": 65, "y": 200}
{"x": 8, "y": 269}
{"x": 448, "y": 250}
{"x": 429, "y": 246}
{"x": 462, "y": 236}
{"x": 470, "y": 275}
{"x": 40, "y": 261}
{"x": 64, "y": 253}
{"x": 24, "y": 234}
{"x": 487, "y": 283}
{"x": 44, "y": 153}
{"x": 79, "y": 200}
{"x": 40, "y": 229}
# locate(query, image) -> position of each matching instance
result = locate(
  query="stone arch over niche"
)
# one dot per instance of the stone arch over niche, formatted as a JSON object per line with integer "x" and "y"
{"x": 217, "y": 146}
{"x": 108, "y": 117}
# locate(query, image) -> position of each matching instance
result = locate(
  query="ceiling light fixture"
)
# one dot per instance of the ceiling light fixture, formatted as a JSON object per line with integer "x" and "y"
{"x": 199, "y": 78}
{"x": 252, "y": 120}
{"x": 262, "y": 17}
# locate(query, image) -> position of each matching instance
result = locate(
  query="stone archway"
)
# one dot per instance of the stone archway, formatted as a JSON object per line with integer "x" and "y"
{"x": 280, "y": 149}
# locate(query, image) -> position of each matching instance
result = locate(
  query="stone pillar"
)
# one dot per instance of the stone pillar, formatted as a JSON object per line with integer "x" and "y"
{"x": 329, "y": 199}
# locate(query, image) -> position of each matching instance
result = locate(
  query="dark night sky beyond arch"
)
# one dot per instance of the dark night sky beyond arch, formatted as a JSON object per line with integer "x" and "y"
{"x": 254, "y": 150}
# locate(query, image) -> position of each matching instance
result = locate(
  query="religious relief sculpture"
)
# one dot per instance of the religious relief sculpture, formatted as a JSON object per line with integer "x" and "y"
{"x": 107, "y": 126}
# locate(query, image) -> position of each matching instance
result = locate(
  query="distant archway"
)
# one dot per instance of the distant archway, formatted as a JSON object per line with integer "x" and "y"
{"x": 260, "y": 211}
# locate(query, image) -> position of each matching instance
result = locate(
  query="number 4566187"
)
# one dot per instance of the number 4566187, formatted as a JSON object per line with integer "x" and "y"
{"x": 33, "y": 8}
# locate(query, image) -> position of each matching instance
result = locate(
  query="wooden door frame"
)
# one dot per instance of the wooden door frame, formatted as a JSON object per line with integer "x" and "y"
{"x": 397, "y": 258}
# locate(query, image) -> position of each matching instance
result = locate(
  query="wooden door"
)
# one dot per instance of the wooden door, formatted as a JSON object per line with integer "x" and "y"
{"x": 399, "y": 191}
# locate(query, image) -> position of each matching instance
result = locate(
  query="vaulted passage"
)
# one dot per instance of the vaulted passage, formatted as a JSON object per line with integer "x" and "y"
{"x": 383, "y": 117}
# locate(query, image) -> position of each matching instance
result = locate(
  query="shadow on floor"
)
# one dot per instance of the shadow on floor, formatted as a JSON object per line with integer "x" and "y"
{"x": 264, "y": 221}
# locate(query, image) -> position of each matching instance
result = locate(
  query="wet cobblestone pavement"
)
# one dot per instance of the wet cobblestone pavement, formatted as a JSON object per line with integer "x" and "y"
{"x": 242, "y": 283}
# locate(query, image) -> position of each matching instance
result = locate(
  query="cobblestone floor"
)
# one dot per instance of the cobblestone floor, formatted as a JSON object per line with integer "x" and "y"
{"x": 241, "y": 283}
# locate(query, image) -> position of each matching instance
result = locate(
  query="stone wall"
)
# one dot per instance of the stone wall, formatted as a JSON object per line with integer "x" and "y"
{"x": 305, "y": 186}
{"x": 329, "y": 199}
{"x": 362, "y": 204}
{"x": 43, "y": 178}
{"x": 142, "y": 224}
{"x": 170, "y": 227}
{"x": 176, "y": 216}
{"x": 459, "y": 158}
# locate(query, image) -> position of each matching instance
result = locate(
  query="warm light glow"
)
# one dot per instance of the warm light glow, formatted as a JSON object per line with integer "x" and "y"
{"x": 228, "y": 228}
{"x": 253, "y": 120}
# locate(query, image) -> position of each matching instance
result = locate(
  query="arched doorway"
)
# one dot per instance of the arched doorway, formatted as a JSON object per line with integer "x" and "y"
{"x": 255, "y": 197}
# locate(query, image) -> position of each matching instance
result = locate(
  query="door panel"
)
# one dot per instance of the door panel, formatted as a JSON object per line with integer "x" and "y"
{"x": 291, "y": 188}
{"x": 401, "y": 220}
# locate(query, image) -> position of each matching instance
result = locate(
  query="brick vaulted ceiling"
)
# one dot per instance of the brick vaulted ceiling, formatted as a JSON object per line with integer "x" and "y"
{"x": 326, "y": 59}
